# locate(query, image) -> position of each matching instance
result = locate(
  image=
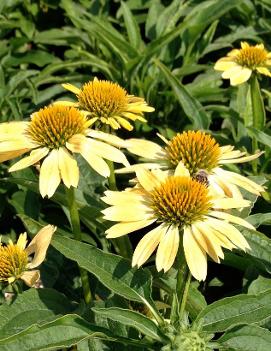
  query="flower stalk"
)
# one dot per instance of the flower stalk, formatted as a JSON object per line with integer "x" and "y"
{"x": 75, "y": 224}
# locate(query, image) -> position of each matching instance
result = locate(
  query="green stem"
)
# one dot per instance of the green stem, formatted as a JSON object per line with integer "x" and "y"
{"x": 185, "y": 294}
{"x": 123, "y": 244}
{"x": 75, "y": 224}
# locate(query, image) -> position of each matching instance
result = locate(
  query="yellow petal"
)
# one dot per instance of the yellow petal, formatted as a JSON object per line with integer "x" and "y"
{"x": 133, "y": 168}
{"x": 147, "y": 245}
{"x": 241, "y": 76}
{"x": 123, "y": 197}
{"x": 95, "y": 161}
{"x": 244, "y": 45}
{"x": 231, "y": 218}
{"x": 108, "y": 152}
{"x": 66, "y": 103}
{"x": 76, "y": 143}
{"x": 124, "y": 228}
{"x": 15, "y": 145}
{"x": 224, "y": 64}
{"x": 205, "y": 243}
{"x": 147, "y": 179}
{"x": 39, "y": 245}
{"x": 145, "y": 148}
{"x": 22, "y": 241}
{"x": 167, "y": 249}
{"x": 229, "y": 203}
{"x": 130, "y": 213}
{"x": 5, "y": 156}
{"x": 30, "y": 277}
{"x": 34, "y": 157}
{"x": 264, "y": 70}
{"x": 71, "y": 88}
{"x": 194, "y": 255}
{"x": 181, "y": 170}
{"x": 109, "y": 138}
{"x": 49, "y": 175}
{"x": 68, "y": 168}
{"x": 124, "y": 123}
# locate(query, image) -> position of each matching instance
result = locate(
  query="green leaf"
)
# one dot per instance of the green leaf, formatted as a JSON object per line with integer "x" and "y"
{"x": 236, "y": 310}
{"x": 192, "y": 108}
{"x": 131, "y": 26}
{"x": 261, "y": 136}
{"x": 258, "y": 219}
{"x": 259, "y": 285}
{"x": 62, "y": 332}
{"x": 247, "y": 338}
{"x": 259, "y": 118}
{"x": 32, "y": 307}
{"x": 132, "y": 319}
{"x": 112, "y": 270}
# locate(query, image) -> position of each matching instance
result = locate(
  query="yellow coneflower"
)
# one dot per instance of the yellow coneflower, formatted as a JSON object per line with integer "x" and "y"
{"x": 55, "y": 133}
{"x": 14, "y": 258}
{"x": 107, "y": 103}
{"x": 238, "y": 65}
{"x": 178, "y": 205}
{"x": 199, "y": 152}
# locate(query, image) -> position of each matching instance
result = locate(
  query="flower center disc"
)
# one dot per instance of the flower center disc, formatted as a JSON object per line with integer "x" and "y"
{"x": 196, "y": 150}
{"x": 180, "y": 200}
{"x": 251, "y": 57}
{"x": 53, "y": 126}
{"x": 13, "y": 262}
{"x": 102, "y": 98}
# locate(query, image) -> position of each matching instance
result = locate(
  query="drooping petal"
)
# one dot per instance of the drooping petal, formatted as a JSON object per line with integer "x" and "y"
{"x": 71, "y": 88}
{"x": 194, "y": 255}
{"x": 231, "y": 218}
{"x": 167, "y": 249}
{"x": 124, "y": 228}
{"x": 229, "y": 203}
{"x": 108, "y": 152}
{"x": 30, "y": 277}
{"x": 5, "y": 156}
{"x": 224, "y": 64}
{"x": 133, "y": 168}
{"x": 264, "y": 70}
{"x": 68, "y": 168}
{"x": 130, "y": 213}
{"x": 123, "y": 197}
{"x": 49, "y": 175}
{"x": 34, "y": 157}
{"x": 147, "y": 245}
{"x": 241, "y": 77}
{"x": 39, "y": 245}
{"x": 109, "y": 138}
{"x": 145, "y": 148}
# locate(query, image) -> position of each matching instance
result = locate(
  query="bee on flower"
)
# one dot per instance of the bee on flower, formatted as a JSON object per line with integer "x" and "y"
{"x": 55, "y": 133}
{"x": 107, "y": 103}
{"x": 239, "y": 64}
{"x": 178, "y": 208}
{"x": 15, "y": 261}
{"x": 199, "y": 152}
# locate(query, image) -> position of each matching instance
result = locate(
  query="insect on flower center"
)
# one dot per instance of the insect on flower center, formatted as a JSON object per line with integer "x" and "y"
{"x": 103, "y": 99}
{"x": 180, "y": 200}
{"x": 13, "y": 262}
{"x": 251, "y": 57}
{"x": 53, "y": 126}
{"x": 196, "y": 150}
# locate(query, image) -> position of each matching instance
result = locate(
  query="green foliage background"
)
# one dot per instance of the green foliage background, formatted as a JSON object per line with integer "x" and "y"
{"x": 163, "y": 51}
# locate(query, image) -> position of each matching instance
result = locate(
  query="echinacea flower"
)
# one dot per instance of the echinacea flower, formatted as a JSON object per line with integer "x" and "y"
{"x": 238, "y": 65}
{"x": 179, "y": 207}
{"x": 54, "y": 133}
{"x": 107, "y": 103}
{"x": 15, "y": 262}
{"x": 200, "y": 153}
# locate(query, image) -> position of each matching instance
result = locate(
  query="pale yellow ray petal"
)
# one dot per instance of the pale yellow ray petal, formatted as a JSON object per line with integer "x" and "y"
{"x": 76, "y": 143}
{"x": 241, "y": 76}
{"x": 231, "y": 154}
{"x": 181, "y": 170}
{"x": 231, "y": 72}
{"x": 16, "y": 145}
{"x": 39, "y": 245}
{"x": 224, "y": 64}
{"x": 147, "y": 245}
{"x": 49, "y": 175}
{"x": 241, "y": 159}
{"x": 109, "y": 138}
{"x": 71, "y": 88}
{"x": 167, "y": 249}
{"x": 66, "y": 103}
{"x": 227, "y": 188}
{"x": 133, "y": 168}
{"x": 264, "y": 70}
{"x": 233, "y": 53}
{"x": 68, "y": 168}
{"x": 194, "y": 255}
{"x": 108, "y": 152}
{"x": 226, "y": 148}
{"x": 230, "y": 232}
{"x": 124, "y": 228}
{"x": 5, "y": 156}
{"x": 21, "y": 242}
{"x": 34, "y": 157}
{"x": 147, "y": 179}
{"x": 97, "y": 163}
{"x": 239, "y": 180}
{"x": 205, "y": 243}
{"x": 230, "y": 218}
{"x": 122, "y": 197}
{"x": 112, "y": 122}
{"x": 128, "y": 213}
{"x": 244, "y": 45}
{"x": 229, "y": 203}
{"x": 124, "y": 123}
{"x": 145, "y": 148}
{"x": 30, "y": 277}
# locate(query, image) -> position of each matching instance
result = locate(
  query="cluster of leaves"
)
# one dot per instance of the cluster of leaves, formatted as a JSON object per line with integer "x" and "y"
{"x": 164, "y": 51}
